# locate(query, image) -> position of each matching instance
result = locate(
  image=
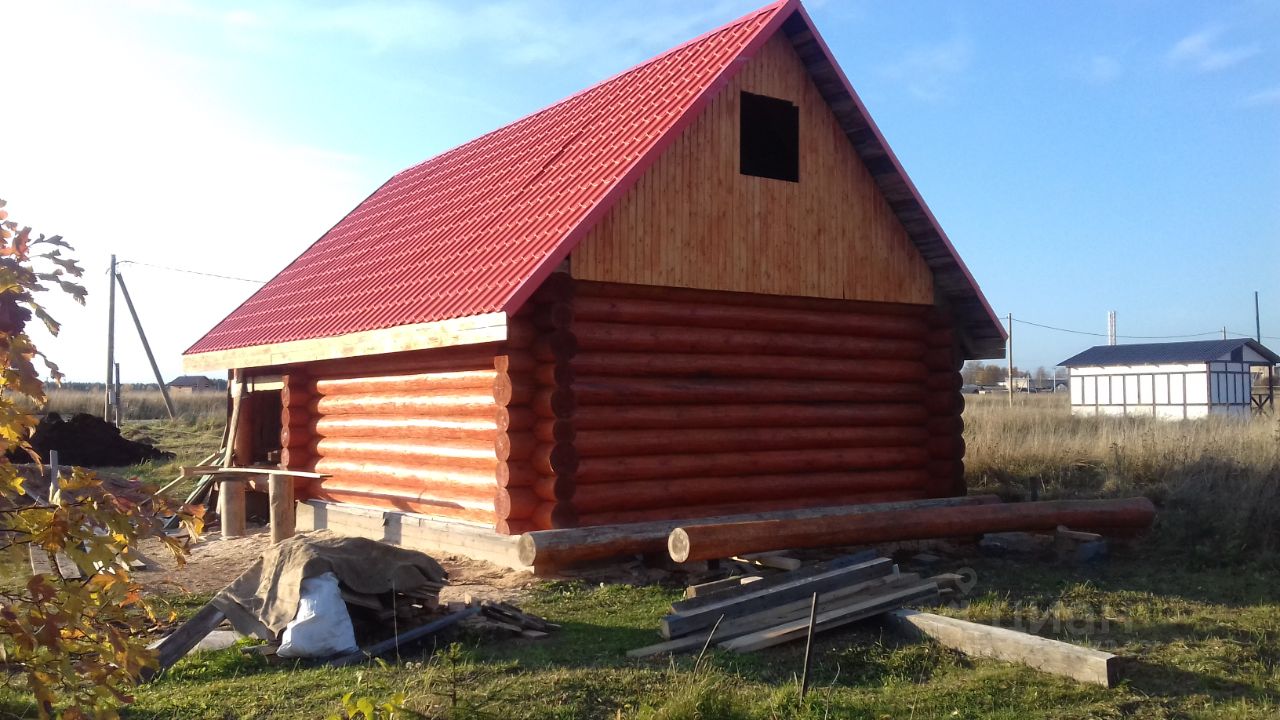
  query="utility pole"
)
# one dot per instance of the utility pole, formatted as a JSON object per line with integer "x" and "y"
{"x": 1111, "y": 328}
{"x": 109, "y": 400}
{"x": 1257, "y": 317}
{"x": 1010, "y": 359}
{"x": 128, "y": 301}
{"x": 1224, "y": 332}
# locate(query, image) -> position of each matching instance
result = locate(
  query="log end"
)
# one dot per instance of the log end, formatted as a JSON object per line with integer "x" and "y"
{"x": 526, "y": 550}
{"x": 678, "y": 545}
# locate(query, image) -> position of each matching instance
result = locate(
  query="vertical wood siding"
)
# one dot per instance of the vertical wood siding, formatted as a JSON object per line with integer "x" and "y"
{"x": 694, "y": 221}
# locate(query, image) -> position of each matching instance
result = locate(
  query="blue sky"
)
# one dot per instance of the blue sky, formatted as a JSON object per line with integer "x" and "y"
{"x": 1083, "y": 157}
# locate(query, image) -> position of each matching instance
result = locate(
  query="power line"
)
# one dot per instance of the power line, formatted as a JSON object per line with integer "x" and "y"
{"x": 191, "y": 272}
{"x": 1129, "y": 337}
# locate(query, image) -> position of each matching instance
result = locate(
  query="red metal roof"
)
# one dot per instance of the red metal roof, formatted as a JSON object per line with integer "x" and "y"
{"x": 477, "y": 229}
{"x": 462, "y": 233}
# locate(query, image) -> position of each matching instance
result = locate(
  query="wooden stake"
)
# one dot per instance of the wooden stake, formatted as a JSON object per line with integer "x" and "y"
{"x": 109, "y": 394}
{"x": 808, "y": 647}
{"x": 231, "y": 507}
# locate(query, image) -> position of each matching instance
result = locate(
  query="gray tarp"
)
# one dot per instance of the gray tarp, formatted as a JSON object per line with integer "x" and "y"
{"x": 265, "y": 597}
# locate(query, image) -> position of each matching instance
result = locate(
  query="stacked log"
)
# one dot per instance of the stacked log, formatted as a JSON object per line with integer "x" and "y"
{"x": 552, "y": 457}
{"x": 946, "y": 427}
{"x": 416, "y": 434}
{"x": 690, "y": 403}
{"x": 296, "y": 423}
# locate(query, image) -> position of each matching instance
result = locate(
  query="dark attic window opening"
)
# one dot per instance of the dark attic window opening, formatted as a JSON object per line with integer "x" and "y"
{"x": 770, "y": 137}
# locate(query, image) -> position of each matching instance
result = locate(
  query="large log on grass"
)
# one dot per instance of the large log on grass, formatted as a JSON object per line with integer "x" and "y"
{"x": 601, "y": 417}
{"x": 662, "y": 391}
{"x": 611, "y": 337}
{"x": 641, "y": 365}
{"x": 559, "y": 548}
{"x": 709, "y": 315}
{"x": 720, "y": 540}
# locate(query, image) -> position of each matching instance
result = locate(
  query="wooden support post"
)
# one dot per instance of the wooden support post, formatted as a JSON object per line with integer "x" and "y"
{"x": 155, "y": 369}
{"x": 283, "y": 519}
{"x": 108, "y": 405}
{"x": 231, "y": 506}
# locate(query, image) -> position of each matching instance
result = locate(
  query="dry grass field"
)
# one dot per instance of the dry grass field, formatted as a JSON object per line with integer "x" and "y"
{"x": 141, "y": 404}
{"x": 1216, "y": 480}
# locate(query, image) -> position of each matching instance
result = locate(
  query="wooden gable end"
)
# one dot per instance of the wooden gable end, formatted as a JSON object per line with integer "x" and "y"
{"x": 694, "y": 221}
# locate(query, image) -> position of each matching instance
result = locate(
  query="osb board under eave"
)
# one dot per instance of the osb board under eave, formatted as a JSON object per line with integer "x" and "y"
{"x": 694, "y": 221}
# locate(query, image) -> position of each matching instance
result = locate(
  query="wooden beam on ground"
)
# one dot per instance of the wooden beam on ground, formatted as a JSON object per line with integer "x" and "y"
{"x": 561, "y": 548}
{"x": 976, "y": 640}
{"x": 712, "y": 541}
{"x": 860, "y": 609}
{"x": 177, "y": 645}
{"x": 775, "y": 560}
{"x": 752, "y": 601}
{"x": 776, "y": 580}
{"x": 703, "y": 590}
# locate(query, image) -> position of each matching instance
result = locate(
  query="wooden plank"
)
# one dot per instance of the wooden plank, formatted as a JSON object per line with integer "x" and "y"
{"x": 403, "y": 638}
{"x": 769, "y": 617}
{"x": 853, "y": 612}
{"x": 751, "y": 601}
{"x": 715, "y": 586}
{"x": 777, "y": 580}
{"x": 200, "y": 470}
{"x": 1052, "y": 656}
{"x": 174, "y": 647}
{"x": 69, "y": 570}
{"x": 475, "y": 329}
{"x": 40, "y": 564}
{"x": 774, "y": 560}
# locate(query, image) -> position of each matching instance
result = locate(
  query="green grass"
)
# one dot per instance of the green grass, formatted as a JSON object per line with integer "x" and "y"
{"x": 1205, "y": 635}
{"x": 190, "y": 441}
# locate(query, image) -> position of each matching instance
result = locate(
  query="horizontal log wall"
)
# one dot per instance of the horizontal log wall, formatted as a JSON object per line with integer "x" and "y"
{"x": 416, "y": 432}
{"x": 686, "y": 403}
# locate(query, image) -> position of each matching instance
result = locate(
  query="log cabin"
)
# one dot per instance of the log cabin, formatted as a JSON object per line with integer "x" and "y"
{"x": 704, "y": 286}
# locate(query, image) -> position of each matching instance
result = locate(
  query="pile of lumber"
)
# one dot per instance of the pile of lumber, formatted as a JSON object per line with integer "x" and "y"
{"x": 748, "y": 616}
{"x": 510, "y": 619}
{"x": 408, "y": 605}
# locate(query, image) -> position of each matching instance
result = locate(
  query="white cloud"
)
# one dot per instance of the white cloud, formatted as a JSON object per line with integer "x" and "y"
{"x": 1204, "y": 52}
{"x": 119, "y": 147}
{"x": 1263, "y": 98}
{"x": 929, "y": 72}
{"x": 1102, "y": 69}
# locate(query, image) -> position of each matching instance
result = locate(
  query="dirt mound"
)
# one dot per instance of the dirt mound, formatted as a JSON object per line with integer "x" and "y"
{"x": 87, "y": 440}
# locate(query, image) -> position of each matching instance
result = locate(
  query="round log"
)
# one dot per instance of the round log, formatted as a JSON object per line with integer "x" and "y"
{"x": 443, "y": 429}
{"x": 507, "y": 419}
{"x": 521, "y": 333}
{"x": 747, "y": 415}
{"x": 552, "y": 316}
{"x": 612, "y": 443}
{"x": 943, "y": 338}
{"x": 509, "y": 392}
{"x": 554, "y": 374}
{"x": 619, "y": 391}
{"x": 709, "y": 315}
{"x": 649, "y": 494}
{"x": 296, "y": 395}
{"x": 653, "y": 467}
{"x": 554, "y": 515}
{"x": 517, "y": 446}
{"x": 949, "y": 468}
{"x": 515, "y": 503}
{"x": 514, "y": 527}
{"x": 944, "y": 382}
{"x": 561, "y": 548}
{"x": 557, "y": 431}
{"x": 642, "y": 365}
{"x": 479, "y": 512}
{"x": 586, "y": 289}
{"x": 516, "y": 362}
{"x": 945, "y": 425}
{"x": 296, "y": 436}
{"x": 463, "y": 404}
{"x": 515, "y": 474}
{"x": 297, "y": 458}
{"x": 702, "y": 511}
{"x": 420, "y": 479}
{"x": 422, "y": 383}
{"x": 946, "y": 447}
{"x": 477, "y": 456}
{"x": 550, "y": 487}
{"x": 556, "y": 459}
{"x": 611, "y": 337}
{"x": 554, "y": 403}
{"x": 708, "y": 542}
{"x": 944, "y": 403}
{"x": 444, "y": 360}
